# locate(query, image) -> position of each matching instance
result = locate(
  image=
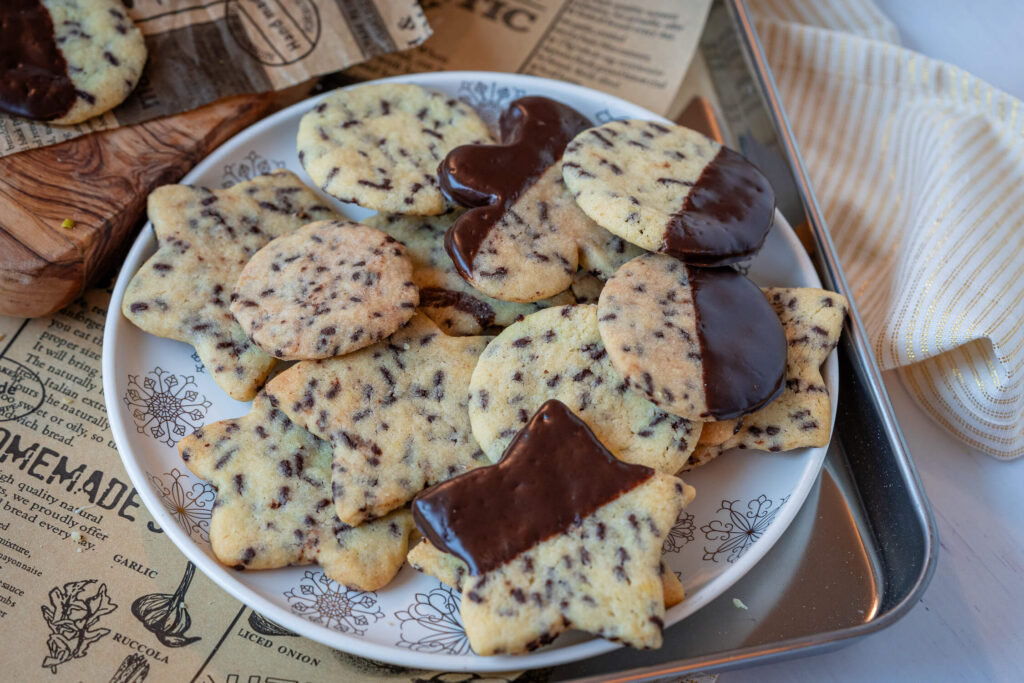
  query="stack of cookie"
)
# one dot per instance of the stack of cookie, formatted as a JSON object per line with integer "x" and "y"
{"x": 538, "y": 334}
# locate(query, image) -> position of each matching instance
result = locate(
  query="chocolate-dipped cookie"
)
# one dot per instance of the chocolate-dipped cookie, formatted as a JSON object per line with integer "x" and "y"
{"x": 524, "y": 236}
{"x": 802, "y": 415}
{"x": 670, "y": 189}
{"x": 451, "y": 302}
{"x": 580, "y": 542}
{"x": 701, "y": 343}
{"x": 65, "y": 61}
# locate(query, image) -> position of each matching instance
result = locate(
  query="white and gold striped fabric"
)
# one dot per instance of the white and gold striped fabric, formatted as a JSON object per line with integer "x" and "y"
{"x": 919, "y": 169}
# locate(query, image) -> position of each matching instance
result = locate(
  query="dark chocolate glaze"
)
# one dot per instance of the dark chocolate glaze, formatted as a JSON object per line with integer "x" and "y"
{"x": 553, "y": 474}
{"x": 726, "y": 216}
{"x": 742, "y": 343}
{"x": 34, "y": 79}
{"x": 436, "y": 297}
{"x": 534, "y": 133}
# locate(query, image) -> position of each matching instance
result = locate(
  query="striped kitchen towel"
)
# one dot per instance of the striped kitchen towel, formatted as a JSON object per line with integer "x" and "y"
{"x": 919, "y": 169}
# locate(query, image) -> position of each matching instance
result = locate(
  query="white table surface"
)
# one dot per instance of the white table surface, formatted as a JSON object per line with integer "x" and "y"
{"x": 969, "y": 626}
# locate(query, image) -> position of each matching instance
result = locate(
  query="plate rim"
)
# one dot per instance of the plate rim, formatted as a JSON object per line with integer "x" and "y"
{"x": 249, "y": 597}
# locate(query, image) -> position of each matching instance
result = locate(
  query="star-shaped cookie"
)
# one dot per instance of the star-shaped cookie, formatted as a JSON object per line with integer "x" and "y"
{"x": 395, "y": 412}
{"x": 206, "y": 237}
{"x": 580, "y": 541}
{"x": 273, "y": 506}
{"x": 802, "y": 415}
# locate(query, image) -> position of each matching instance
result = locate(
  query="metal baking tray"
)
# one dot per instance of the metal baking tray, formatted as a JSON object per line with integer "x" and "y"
{"x": 863, "y": 547}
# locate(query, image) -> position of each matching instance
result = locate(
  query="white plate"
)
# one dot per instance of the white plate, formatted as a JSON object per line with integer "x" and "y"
{"x": 157, "y": 391}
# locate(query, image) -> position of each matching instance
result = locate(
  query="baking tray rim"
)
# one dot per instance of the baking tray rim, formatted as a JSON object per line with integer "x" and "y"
{"x": 828, "y": 262}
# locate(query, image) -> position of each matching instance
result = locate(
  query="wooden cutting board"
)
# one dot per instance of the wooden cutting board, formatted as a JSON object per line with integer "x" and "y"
{"x": 101, "y": 182}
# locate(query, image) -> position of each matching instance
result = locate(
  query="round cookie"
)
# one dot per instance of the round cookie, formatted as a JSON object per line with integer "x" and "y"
{"x": 670, "y": 189}
{"x": 451, "y": 302}
{"x": 379, "y": 145}
{"x": 326, "y": 289}
{"x": 66, "y": 61}
{"x": 702, "y": 343}
{"x": 557, "y": 353}
{"x": 524, "y": 235}
{"x": 205, "y": 238}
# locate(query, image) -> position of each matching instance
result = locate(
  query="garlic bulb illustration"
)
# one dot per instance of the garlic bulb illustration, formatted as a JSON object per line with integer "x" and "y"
{"x": 165, "y": 615}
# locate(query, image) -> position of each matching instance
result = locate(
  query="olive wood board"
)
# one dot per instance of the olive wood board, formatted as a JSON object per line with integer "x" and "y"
{"x": 68, "y": 211}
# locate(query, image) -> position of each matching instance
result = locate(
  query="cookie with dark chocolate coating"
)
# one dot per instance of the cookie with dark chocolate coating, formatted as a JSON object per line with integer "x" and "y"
{"x": 670, "y": 189}
{"x": 524, "y": 236}
{"x": 802, "y": 415}
{"x": 456, "y": 306}
{"x": 702, "y": 343}
{"x": 581, "y": 542}
{"x": 65, "y": 61}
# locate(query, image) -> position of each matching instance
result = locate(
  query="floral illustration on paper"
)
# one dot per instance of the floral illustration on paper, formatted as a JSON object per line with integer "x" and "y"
{"x": 252, "y": 165}
{"x": 198, "y": 362}
{"x": 432, "y": 624}
{"x": 189, "y": 501}
{"x": 328, "y": 603}
{"x": 72, "y": 617}
{"x": 165, "y": 405}
{"x": 488, "y": 98}
{"x": 742, "y": 526}
{"x": 680, "y": 534}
